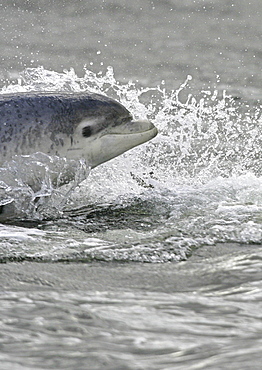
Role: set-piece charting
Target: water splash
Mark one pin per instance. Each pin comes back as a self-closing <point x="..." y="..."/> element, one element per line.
<point x="199" y="140"/>
<point x="39" y="185"/>
<point x="211" y="133"/>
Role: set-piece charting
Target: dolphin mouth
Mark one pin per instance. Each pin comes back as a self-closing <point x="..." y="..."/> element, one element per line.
<point x="144" y="128"/>
<point x="134" y="128"/>
<point x="141" y="126"/>
<point x="120" y="139"/>
<point x="128" y="135"/>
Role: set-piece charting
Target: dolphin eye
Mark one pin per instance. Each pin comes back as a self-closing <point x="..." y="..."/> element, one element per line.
<point x="87" y="131"/>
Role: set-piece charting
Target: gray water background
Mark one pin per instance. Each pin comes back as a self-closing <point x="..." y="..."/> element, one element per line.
<point x="94" y="303"/>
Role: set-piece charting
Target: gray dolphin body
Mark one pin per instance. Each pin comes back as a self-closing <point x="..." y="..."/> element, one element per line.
<point x="71" y="125"/>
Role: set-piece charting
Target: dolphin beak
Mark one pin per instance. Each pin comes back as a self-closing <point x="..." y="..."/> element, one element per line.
<point x="135" y="132"/>
<point x="120" y="139"/>
<point x="136" y="127"/>
<point x="142" y="126"/>
<point x="131" y="134"/>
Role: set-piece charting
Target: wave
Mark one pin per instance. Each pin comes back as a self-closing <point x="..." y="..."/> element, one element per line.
<point x="198" y="182"/>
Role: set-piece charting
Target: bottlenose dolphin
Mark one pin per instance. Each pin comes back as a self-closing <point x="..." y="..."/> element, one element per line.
<point x="71" y="125"/>
<point x="74" y="126"/>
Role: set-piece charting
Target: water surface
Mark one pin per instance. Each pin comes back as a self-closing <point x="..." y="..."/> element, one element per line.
<point x="154" y="261"/>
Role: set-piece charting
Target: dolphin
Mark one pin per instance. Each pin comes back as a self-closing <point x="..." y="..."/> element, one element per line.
<point x="74" y="126"/>
<point x="71" y="125"/>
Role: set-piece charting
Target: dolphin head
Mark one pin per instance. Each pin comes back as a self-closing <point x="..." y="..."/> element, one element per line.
<point x="71" y="125"/>
<point x="106" y="130"/>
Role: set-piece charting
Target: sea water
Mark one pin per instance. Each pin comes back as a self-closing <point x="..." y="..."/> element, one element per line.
<point x="154" y="260"/>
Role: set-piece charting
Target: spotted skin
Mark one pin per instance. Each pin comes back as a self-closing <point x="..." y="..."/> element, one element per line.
<point x="31" y="122"/>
